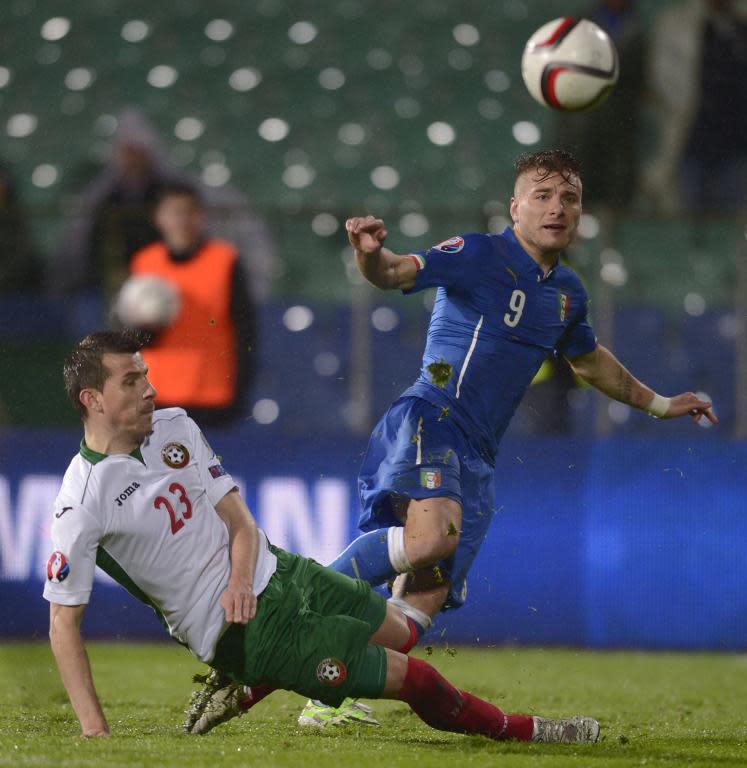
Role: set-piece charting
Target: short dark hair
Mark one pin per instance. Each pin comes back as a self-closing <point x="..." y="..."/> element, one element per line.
<point x="547" y="162"/>
<point x="179" y="189"/>
<point x="84" y="367"/>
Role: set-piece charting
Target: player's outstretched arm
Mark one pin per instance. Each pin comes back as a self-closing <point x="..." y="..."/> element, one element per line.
<point x="239" y="601"/>
<point x="380" y="266"/>
<point x="75" y="669"/>
<point x="604" y="371"/>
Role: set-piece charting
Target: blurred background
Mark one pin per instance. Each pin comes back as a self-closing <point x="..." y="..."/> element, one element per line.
<point x="613" y="529"/>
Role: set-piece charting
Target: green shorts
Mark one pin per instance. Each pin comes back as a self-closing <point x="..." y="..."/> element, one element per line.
<point x="310" y="635"/>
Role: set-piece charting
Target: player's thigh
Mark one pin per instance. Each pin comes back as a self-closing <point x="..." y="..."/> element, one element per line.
<point x="328" y="658"/>
<point x="331" y="593"/>
<point x="414" y="453"/>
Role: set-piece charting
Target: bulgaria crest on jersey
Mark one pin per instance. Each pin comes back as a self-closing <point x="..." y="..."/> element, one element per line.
<point x="57" y="568"/>
<point x="564" y="306"/>
<point x="331" y="672"/>
<point x="452" y="245"/>
<point x="175" y="455"/>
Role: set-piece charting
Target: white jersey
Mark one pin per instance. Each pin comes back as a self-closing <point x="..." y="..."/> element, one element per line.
<point x="148" y="519"/>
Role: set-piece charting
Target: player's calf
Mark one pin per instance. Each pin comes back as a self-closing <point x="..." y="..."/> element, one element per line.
<point x="442" y="706"/>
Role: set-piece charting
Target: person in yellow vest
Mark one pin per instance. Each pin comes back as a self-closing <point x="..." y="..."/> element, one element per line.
<point x="205" y="360"/>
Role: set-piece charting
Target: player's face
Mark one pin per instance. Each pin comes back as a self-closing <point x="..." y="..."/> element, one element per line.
<point x="127" y="399"/>
<point x="545" y="212"/>
<point x="181" y="221"/>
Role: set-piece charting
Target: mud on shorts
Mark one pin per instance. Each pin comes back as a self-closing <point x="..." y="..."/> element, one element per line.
<point x="310" y="635"/>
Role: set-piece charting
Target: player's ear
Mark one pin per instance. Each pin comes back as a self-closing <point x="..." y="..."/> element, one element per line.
<point x="91" y="398"/>
<point x="512" y="209"/>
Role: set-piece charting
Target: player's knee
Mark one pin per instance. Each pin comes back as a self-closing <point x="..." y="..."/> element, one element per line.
<point x="429" y="546"/>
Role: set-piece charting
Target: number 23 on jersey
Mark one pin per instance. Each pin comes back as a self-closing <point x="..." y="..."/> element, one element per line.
<point x="183" y="509"/>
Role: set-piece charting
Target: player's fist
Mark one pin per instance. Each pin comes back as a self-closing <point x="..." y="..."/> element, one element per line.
<point x="366" y="233"/>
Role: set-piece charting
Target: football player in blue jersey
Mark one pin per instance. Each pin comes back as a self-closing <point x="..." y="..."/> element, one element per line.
<point x="503" y="304"/>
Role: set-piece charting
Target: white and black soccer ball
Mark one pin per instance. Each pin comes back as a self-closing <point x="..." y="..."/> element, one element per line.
<point x="147" y="301"/>
<point x="570" y="65"/>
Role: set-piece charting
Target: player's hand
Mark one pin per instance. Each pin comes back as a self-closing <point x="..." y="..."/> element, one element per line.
<point x="239" y="604"/>
<point x="99" y="733"/>
<point x="366" y="233"/>
<point x="688" y="402"/>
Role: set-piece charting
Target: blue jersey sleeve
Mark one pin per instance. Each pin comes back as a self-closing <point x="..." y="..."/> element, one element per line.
<point x="579" y="339"/>
<point x="456" y="263"/>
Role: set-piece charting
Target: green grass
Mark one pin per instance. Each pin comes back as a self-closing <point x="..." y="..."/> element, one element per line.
<point x="655" y="709"/>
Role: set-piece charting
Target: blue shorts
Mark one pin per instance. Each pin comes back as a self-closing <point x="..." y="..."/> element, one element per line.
<point x="417" y="452"/>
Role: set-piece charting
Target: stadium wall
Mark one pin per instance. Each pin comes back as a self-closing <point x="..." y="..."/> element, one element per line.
<point x="617" y="543"/>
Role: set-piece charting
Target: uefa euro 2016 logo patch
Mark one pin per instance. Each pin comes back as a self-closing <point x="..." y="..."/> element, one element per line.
<point x="57" y="568"/>
<point x="175" y="455"/>
<point x="430" y="478"/>
<point x="331" y="672"/>
<point x="452" y="245"/>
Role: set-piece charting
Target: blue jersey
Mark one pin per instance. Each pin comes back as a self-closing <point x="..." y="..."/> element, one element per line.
<point x="497" y="317"/>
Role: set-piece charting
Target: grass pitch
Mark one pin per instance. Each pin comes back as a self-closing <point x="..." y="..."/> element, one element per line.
<point x="655" y="710"/>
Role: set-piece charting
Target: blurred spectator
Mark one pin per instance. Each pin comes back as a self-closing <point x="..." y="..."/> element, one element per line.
<point x="114" y="216"/>
<point x="698" y="68"/>
<point x="606" y="139"/>
<point x="205" y="360"/>
<point x="20" y="271"/>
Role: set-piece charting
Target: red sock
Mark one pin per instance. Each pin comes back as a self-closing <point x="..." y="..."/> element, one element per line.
<point x="437" y="702"/>
<point x="254" y="695"/>
<point x="414" y="636"/>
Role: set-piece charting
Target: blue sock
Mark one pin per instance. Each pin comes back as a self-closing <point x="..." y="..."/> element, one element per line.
<point x="367" y="558"/>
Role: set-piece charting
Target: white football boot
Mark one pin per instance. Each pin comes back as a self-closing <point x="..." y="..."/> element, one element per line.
<point x="216" y="702"/>
<point x="575" y="730"/>
<point x="318" y="715"/>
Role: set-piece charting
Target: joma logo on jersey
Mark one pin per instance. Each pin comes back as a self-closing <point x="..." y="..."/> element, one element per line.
<point x="126" y="493"/>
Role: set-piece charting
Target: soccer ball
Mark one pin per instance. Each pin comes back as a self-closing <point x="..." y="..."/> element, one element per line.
<point x="570" y="65"/>
<point x="148" y="302"/>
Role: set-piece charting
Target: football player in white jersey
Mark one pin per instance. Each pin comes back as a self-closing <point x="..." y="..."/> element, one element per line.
<point x="148" y="501"/>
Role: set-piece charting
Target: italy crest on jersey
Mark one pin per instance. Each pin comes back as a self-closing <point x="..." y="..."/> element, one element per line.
<point x="57" y="568"/>
<point x="564" y="306"/>
<point x="175" y="455"/>
<point x="452" y="245"/>
<point x="430" y="478"/>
